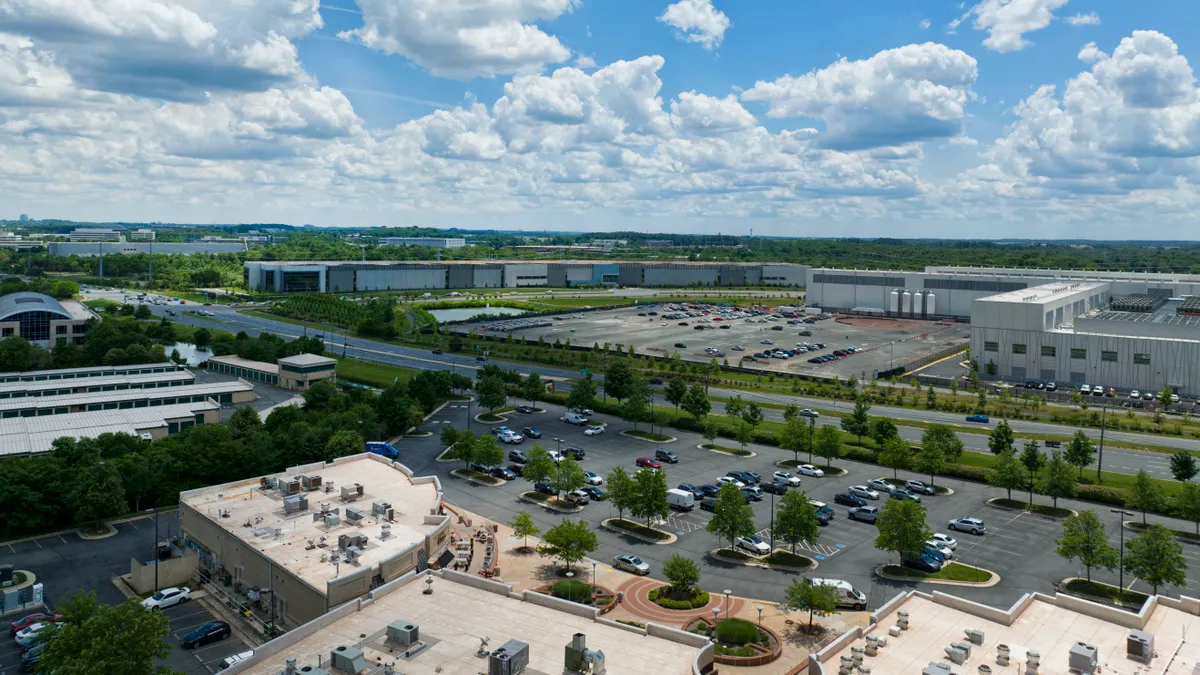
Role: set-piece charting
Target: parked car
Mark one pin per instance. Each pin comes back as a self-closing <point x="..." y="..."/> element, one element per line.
<point x="742" y="477"/>
<point x="822" y="508"/>
<point x="500" y="431"/>
<point x="680" y="345"/>
<point x="978" y="418"/>
<point x="752" y="493"/>
<point x="631" y="564"/>
<point x="578" y="497"/>
<point x="879" y="484"/>
<point x="920" y="488"/>
<point x="544" y="488"/>
<point x="1135" y="394"/>
<point x="524" y="409"/>
<point x="33" y="656"/>
<point x="594" y="493"/>
<point x="922" y="564"/>
<point x="786" y="478"/>
<point x="946" y="551"/>
<point x="574" y="452"/>
<point x="945" y="540"/>
<point x="28" y="636"/>
<point x="511" y="437"/>
<point x="753" y="544"/>
<point x="810" y="470"/>
<point x="517" y="456"/>
<point x="574" y="418"/>
<point x="932" y="552"/>
<point x="664" y="455"/>
<point x="688" y="487"/>
<point x="647" y="462"/>
<point x="502" y="473"/>
<point x="708" y="504"/>
<point x="774" y="488"/>
<point x="30" y="619"/>
<point x="586" y="412"/>
<point x="904" y="493"/>
<point x="167" y="597"/>
<point x="972" y="525"/>
<point x="710" y="490"/>
<point x="864" y="514"/>
<point x="517" y="469"/>
<point x="212" y="631"/>
<point x="655" y="380"/>
<point x="863" y="492"/>
<point x="593" y="478"/>
<point x="594" y="430"/>
<point x="730" y="479"/>
<point x="531" y="432"/>
<point x="848" y="499"/>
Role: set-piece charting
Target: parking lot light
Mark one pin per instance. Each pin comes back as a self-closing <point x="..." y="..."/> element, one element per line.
<point x="727" y="594"/>
<point x="1121" y="513"/>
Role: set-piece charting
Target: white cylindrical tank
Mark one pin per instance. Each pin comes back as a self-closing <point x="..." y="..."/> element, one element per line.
<point x="918" y="303"/>
<point x="894" y="306"/>
<point x="929" y="306"/>
<point x="906" y="303"/>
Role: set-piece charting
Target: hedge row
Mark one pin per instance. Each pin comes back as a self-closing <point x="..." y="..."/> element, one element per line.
<point x="699" y="600"/>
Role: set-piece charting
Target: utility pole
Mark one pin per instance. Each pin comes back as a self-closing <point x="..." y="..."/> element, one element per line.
<point x="152" y="264"/>
<point x="1121" y="565"/>
<point x="101" y="245"/>
<point x="772" y="521"/>
<point x="1100" y="459"/>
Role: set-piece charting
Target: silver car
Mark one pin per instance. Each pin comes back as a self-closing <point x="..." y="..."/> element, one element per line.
<point x="864" y="492"/>
<point x="631" y="564"/>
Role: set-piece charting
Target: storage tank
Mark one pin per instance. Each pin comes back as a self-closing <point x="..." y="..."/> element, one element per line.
<point x="929" y="305"/>
<point x="906" y="303"/>
<point x="894" y="303"/>
<point x="918" y="303"/>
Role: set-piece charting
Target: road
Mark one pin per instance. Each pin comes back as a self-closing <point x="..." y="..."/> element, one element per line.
<point x="1115" y="459"/>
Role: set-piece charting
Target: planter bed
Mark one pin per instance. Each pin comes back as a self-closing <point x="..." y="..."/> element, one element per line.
<point x="787" y="559"/>
<point x="1182" y="534"/>
<point x="1105" y="592"/>
<point x="830" y="471"/>
<point x="951" y="572"/>
<point x="637" y="528"/>
<point x="695" y="600"/>
<point x="1039" y="509"/>
<point x="477" y="477"/>
<point x="649" y="436"/>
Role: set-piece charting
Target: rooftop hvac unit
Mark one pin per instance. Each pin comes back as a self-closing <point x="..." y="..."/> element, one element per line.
<point x="352" y="492"/>
<point x="354" y="515"/>
<point x="348" y="659"/>
<point x="310" y="482"/>
<point x="378" y="507"/>
<point x="385" y="531"/>
<point x="511" y="658"/>
<point x="313" y="670"/>
<point x="403" y="633"/>
<point x="327" y="508"/>
<point x="1140" y="645"/>
<point x="936" y="668"/>
<point x="295" y="503"/>
<point x="289" y="486"/>
<point x="332" y="519"/>
<point x="352" y="553"/>
<point x="1082" y="658"/>
<point x="348" y="540"/>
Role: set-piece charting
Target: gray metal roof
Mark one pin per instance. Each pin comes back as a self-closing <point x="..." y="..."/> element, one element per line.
<point x="88" y="370"/>
<point x="21" y="435"/>
<point x="15" y="303"/>
<point x="137" y="381"/>
<point x="208" y="389"/>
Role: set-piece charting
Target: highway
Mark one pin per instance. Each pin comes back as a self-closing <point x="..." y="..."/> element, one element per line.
<point x="1115" y="459"/>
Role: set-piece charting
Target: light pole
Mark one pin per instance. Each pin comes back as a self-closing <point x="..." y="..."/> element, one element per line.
<point x="155" y="549"/>
<point x="1121" y="564"/>
<point x="1100" y="459"/>
<point x="760" y="611"/>
<point x="727" y="594"/>
<point x="772" y="522"/>
<point x="593" y="578"/>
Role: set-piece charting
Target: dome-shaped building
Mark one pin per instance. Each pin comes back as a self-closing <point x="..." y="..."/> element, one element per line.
<point x="41" y="319"/>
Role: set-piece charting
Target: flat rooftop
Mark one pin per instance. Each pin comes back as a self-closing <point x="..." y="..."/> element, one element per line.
<point x="77" y="310"/>
<point x="23" y="435"/>
<point x="123" y="380"/>
<point x="1044" y="626"/>
<point x="260" y="366"/>
<point x="233" y="505"/>
<point x="1047" y="292"/>
<point x="307" y="360"/>
<point x="453" y="619"/>
<point x="191" y="390"/>
<point x="89" y="371"/>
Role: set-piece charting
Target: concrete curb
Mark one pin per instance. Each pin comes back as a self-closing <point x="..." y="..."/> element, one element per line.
<point x="783" y="464"/>
<point x="110" y="531"/>
<point x="442" y="453"/>
<point x="501" y="417"/>
<point x="992" y="503"/>
<point x="727" y="454"/>
<point x="716" y="553"/>
<point x="1061" y="587"/>
<point x="941" y="582"/>
<point x="671" y="539"/>
<point x="30" y="579"/>
<point x="548" y="507"/>
<point x="462" y="473"/>
<point x="629" y="434"/>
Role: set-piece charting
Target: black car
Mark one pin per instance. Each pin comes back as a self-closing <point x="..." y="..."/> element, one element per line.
<point x="594" y="493"/>
<point x="776" y="327"/>
<point x="688" y="487"/>
<point x="683" y="323"/>
<point x="680" y="345"/>
<point x="516" y="456"/>
<point x="921" y="564"/>
<point x="724" y="325"/>
<point x="502" y="473"/>
<point x="518" y="469"/>
<point x="531" y="432"/>
<point x="574" y="453"/>
<point x="544" y="488"/>
<point x="708" y="504"/>
<point x="481" y="358"/>
<point x="743" y="476"/>
<point x="437" y="351"/>
<point x="847" y="499"/>
<point x="524" y="409"/>
<point x="209" y="632"/>
<point x="710" y="490"/>
<point x="774" y="488"/>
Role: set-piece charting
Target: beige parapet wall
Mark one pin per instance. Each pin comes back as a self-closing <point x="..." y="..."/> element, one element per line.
<point x="172" y="572"/>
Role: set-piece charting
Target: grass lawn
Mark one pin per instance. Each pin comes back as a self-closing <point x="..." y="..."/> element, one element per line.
<point x="732" y="451"/>
<point x="1099" y="590"/>
<point x="637" y="528"/>
<point x="1182" y="534"/>
<point x="951" y="571"/>
<point x="734" y="554"/>
<point x="476" y="475"/>
<point x="494" y="415"/>
<point x="787" y="558"/>
<point x="100" y="304"/>
<point x="373" y="374"/>
<point x="1040" y="509"/>
<point x="649" y="436"/>
<point x="281" y="319"/>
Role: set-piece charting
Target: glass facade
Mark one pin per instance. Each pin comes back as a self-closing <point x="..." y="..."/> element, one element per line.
<point x="34" y="325"/>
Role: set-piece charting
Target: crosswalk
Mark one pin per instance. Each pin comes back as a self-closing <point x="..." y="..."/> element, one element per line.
<point x="820" y="551"/>
<point x="680" y="525"/>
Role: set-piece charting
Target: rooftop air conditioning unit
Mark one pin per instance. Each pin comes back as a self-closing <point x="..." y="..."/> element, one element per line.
<point x="379" y="507"/>
<point x="295" y="503"/>
<point x="352" y="491"/>
<point x="385" y="531"/>
<point x="289" y="486"/>
<point x="511" y="658"/>
<point x="1082" y="658"/>
<point x="354" y="515"/>
<point x="1140" y="646"/>
<point x="348" y="659"/>
<point x="403" y="633"/>
<point x="313" y="670"/>
<point x="332" y="519"/>
<point x="312" y="482"/>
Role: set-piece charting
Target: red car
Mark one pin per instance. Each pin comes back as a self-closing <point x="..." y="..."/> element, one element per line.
<point x="646" y="461"/>
<point x="26" y="622"/>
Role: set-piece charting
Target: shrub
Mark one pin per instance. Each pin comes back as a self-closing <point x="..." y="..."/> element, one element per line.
<point x="765" y="438"/>
<point x="736" y="632"/>
<point x="1102" y="494"/>
<point x="858" y="454"/>
<point x="966" y="472"/>
<point x="698" y="600"/>
<point x="571" y="589"/>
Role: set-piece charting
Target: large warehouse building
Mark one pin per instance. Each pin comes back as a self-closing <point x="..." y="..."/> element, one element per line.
<point x="345" y="277"/>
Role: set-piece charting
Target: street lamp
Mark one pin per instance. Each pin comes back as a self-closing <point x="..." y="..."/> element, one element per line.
<point x="593" y="578"/>
<point x="760" y="611"/>
<point x="570" y="576"/>
<point x="772" y="522"/>
<point x="155" y="547"/>
<point x="727" y="594"/>
<point x="1121" y="563"/>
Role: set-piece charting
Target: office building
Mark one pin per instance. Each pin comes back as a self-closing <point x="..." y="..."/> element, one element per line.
<point x="43" y="320"/>
<point x="143" y="234"/>
<point x="95" y="234"/>
<point x="431" y="242"/>
<point x="90" y="249"/>
<point x="297" y="373"/>
<point x="318" y="535"/>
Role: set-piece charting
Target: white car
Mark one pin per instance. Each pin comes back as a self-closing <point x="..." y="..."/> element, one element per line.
<point x="1135" y="394"/>
<point x="754" y="545"/>
<point x="593" y="478"/>
<point x="1085" y="389"/>
<point x="593" y="431"/>
<point x="167" y="597"/>
<point x="942" y="548"/>
<point x="730" y="479"/>
<point x="946" y="540"/>
<point x="972" y="525"/>
<point x="632" y="564"/>
<point x="810" y="470"/>
<point x="786" y="478"/>
<point x="512" y="438"/>
<point x="28" y="636"/>
<point x="880" y="484"/>
<point x="809" y="412"/>
<point x="864" y="492"/>
<point x="767" y="342"/>
<point x="1174" y="398"/>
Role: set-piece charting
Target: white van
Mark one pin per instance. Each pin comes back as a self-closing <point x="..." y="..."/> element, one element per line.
<point x="681" y="499"/>
<point x="574" y="418"/>
<point x="848" y="596"/>
<point x="231" y="661"/>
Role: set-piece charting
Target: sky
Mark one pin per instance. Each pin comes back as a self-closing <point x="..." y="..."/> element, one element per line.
<point x="1054" y="119"/>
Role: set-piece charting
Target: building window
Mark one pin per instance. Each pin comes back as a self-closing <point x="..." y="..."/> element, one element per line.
<point x="1018" y="349"/>
<point x="1141" y="359"/>
<point x="1077" y="353"/>
<point x="1111" y="357"/>
<point x="8" y="331"/>
<point x="855" y="280"/>
<point x="60" y="329"/>
<point x="991" y="346"/>
<point x="1049" y="350"/>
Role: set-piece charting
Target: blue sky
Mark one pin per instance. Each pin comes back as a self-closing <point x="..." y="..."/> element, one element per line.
<point x="1054" y="118"/>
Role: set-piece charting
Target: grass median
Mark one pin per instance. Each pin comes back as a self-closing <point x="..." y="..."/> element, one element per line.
<point x="951" y="571"/>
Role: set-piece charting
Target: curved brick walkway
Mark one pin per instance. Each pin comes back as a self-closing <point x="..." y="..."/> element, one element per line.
<point x="637" y="601"/>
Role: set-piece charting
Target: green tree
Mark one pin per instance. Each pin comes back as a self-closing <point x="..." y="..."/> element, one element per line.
<point x="1084" y="538"/>
<point x="523" y="526"/>
<point x="344" y="443"/>
<point x="202" y="338"/>
<point x="1156" y="557"/>
<point x="1183" y="466"/>
<point x="491" y="392"/>
<point x="732" y="516"/>
<point x="931" y="460"/>
<point x="1186" y="504"/>
<point x="120" y="638"/>
<point x="858" y="422"/>
<point x="568" y="542"/>
<point x="1080" y="452"/>
<point x="711" y="430"/>
<point x="636" y="407"/>
<point x="622" y="493"/>
<point x="902" y="528"/>
<point x="1059" y="481"/>
<point x="683" y="573"/>
<point x="1007" y="472"/>
<point x="981" y="401"/>
<point x="696" y="403"/>
<point x="1001" y="438"/>
<point x="533" y="388"/>
<point x="1144" y="495"/>
<point x="142" y="313"/>
<point x="896" y="454"/>
<point x="943" y="438"/>
<point x="650" y="495"/>
<point x="735" y="406"/>
<point x="618" y="379"/>
<point x="97" y="494"/>
<point x="1164" y="396"/>
<point x="803" y="595"/>
<point x="539" y="466"/>
<point x="567" y="476"/>
<point x="796" y="520"/>
<point x="790" y="412"/>
<point x="449" y="436"/>
<point x="930" y="398"/>
<point x="488" y="452"/>
<point x="582" y="394"/>
<point x="675" y="392"/>
<point x="244" y="421"/>
<point x="827" y="443"/>
<point x="795" y="436"/>
<point x="1034" y="461"/>
<point x="882" y="428"/>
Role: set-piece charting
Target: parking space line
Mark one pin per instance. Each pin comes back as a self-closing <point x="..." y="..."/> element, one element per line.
<point x="132" y="525"/>
<point x="39" y="545"/>
<point x="61" y="539"/>
<point x="14" y="551"/>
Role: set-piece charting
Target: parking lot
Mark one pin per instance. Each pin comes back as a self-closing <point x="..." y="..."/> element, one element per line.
<point x="65" y="563"/>
<point x="884" y="343"/>
<point x="1018" y="546"/>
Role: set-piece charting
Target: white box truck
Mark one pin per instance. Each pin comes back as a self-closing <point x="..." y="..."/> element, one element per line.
<point x="847" y="595"/>
<point x="681" y="499"/>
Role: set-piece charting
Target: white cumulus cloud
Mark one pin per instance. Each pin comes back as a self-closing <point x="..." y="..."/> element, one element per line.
<point x="1089" y="19"/>
<point x="697" y="21"/>
<point x="1007" y="21"/>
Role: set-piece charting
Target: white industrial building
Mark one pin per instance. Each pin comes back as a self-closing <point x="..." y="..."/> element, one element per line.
<point x="1083" y="332"/>
<point x="95" y="234"/>
<point x="87" y="249"/>
<point x="431" y="242"/>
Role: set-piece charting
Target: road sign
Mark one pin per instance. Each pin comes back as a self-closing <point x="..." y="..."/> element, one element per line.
<point x="584" y="372"/>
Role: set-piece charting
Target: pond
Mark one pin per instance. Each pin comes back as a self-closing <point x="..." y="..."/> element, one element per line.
<point x="190" y="352"/>
<point x="464" y="313"/>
